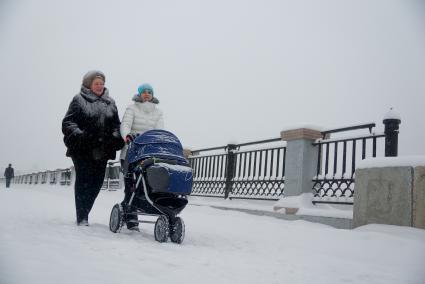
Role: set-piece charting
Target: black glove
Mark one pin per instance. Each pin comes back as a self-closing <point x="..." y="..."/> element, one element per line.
<point x="118" y="142"/>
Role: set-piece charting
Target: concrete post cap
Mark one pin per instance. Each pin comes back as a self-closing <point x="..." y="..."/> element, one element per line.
<point x="300" y="133"/>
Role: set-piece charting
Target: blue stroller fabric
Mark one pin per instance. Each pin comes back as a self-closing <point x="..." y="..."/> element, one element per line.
<point x="175" y="179"/>
<point x="156" y="144"/>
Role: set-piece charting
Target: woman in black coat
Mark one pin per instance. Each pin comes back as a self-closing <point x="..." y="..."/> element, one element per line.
<point x="92" y="135"/>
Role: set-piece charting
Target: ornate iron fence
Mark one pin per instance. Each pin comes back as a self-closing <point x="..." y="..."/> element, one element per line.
<point x="65" y="177"/>
<point x="112" y="176"/>
<point x="337" y="158"/>
<point x="241" y="174"/>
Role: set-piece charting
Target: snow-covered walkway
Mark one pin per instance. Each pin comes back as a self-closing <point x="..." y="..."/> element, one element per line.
<point x="39" y="243"/>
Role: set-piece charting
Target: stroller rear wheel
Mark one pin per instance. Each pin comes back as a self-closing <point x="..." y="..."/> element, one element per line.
<point x="177" y="231"/>
<point x="115" y="221"/>
<point x="161" y="230"/>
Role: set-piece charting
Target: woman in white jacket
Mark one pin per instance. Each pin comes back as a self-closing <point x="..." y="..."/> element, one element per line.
<point x="139" y="117"/>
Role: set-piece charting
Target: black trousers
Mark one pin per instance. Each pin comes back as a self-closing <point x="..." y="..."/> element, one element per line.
<point x="8" y="182"/>
<point x="88" y="182"/>
<point x="131" y="218"/>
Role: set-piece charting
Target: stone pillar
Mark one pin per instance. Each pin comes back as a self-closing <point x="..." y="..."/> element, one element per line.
<point x="301" y="160"/>
<point x="187" y="152"/>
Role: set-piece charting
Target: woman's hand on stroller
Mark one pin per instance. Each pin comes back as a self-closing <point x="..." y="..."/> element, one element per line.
<point x="130" y="138"/>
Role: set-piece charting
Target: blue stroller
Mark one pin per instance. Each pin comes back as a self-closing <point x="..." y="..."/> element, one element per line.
<point x="160" y="180"/>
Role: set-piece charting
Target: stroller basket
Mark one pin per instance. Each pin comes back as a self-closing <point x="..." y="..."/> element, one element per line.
<point x="166" y="178"/>
<point x="173" y="203"/>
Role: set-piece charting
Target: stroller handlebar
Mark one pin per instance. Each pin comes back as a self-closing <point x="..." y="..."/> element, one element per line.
<point x="146" y="163"/>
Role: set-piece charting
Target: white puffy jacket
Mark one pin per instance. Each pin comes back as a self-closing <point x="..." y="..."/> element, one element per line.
<point x="140" y="117"/>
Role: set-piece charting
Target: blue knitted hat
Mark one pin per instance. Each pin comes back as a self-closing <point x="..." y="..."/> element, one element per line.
<point x="144" y="87"/>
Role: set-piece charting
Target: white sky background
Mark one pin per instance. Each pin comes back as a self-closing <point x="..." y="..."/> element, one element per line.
<point x="223" y="70"/>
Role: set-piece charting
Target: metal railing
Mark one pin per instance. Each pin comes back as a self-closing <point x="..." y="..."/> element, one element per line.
<point x="112" y="176"/>
<point x="256" y="170"/>
<point x="64" y="177"/>
<point x="240" y="174"/>
<point x="337" y="159"/>
<point x="61" y="176"/>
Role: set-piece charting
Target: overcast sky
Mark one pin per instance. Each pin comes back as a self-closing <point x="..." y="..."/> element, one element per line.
<point x="223" y="70"/>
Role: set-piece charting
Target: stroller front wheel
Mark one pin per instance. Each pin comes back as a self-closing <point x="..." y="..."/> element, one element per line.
<point x="177" y="231"/>
<point x="115" y="221"/>
<point x="161" y="230"/>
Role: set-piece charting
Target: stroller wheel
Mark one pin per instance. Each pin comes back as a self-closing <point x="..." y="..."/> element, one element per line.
<point x="115" y="221"/>
<point x="161" y="229"/>
<point x="177" y="231"/>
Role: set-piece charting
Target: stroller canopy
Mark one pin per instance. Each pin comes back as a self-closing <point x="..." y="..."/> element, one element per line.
<point x="156" y="144"/>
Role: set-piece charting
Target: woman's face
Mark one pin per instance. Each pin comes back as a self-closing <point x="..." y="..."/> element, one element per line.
<point x="147" y="95"/>
<point x="97" y="86"/>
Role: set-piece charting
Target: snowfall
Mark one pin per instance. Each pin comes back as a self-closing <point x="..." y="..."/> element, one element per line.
<point x="40" y="243"/>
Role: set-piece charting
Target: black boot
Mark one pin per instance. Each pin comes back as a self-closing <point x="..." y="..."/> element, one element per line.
<point x="130" y="217"/>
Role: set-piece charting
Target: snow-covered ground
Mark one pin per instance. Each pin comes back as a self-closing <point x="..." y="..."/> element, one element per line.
<point x="39" y="243"/>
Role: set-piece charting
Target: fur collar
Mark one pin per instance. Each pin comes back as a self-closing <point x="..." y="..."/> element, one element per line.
<point x="89" y="96"/>
<point x="139" y="99"/>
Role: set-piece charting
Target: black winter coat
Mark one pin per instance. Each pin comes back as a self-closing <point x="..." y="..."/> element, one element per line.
<point x="8" y="173"/>
<point x="92" y="127"/>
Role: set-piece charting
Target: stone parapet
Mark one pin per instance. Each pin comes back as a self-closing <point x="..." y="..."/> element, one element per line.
<point x="419" y="197"/>
<point x="393" y="195"/>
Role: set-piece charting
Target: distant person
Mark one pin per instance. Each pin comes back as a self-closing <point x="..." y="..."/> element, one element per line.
<point x="9" y="175"/>
<point x="141" y="116"/>
<point x="92" y="135"/>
